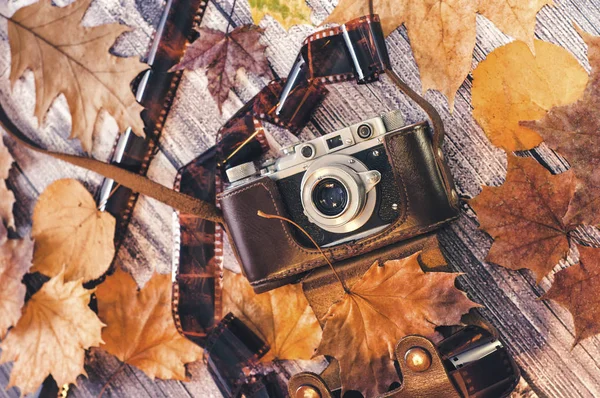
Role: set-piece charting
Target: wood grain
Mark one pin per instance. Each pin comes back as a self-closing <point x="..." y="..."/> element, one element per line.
<point x="539" y="333"/>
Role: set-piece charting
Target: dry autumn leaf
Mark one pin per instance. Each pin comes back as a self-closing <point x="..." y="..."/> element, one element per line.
<point x="431" y="257"/>
<point x="15" y="261"/>
<point x="281" y="317"/>
<point x="140" y="330"/>
<point x="287" y="13"/>
<point x="442" y="32"/>
<point x="51" y="337"/>
<point x="513" y="85"/>
<point x="223" y="54"/>
<point x="525" y="216"/>
<point x="71" y="233"/>
<point x="387" y="303"/>
<point x="68" y="58"/>
<point x="576" y="288"/>
<point x="574" y="131"/>
<point x="7" y="198"/>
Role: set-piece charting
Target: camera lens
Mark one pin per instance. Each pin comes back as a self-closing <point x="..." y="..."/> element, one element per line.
<point x="330" y="197"/>
<point x="364" y="131"/>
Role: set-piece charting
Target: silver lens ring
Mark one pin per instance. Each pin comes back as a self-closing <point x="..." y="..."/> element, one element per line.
<point x="359" y="205"/>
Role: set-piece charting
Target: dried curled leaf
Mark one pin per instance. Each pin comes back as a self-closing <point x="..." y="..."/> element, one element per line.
<point x="51" y="337"/>
<point x="525" y="216"/>
<point x="513" y="85"/>
<point x="15" y="261"/>
<point x="68" y="58"/>
<point x="71" y="233"/>
<point x="386" y="304"/>
<point x="574" y="131"/>
<point x="281" y="317"/>
<point x="223" y="54"/>
<point x="287" y="13"/>
<point x="140" y="330"/>
<point x="442" y="32"/>
<point x="7" y="198"/>
<point x="576" y="288"/>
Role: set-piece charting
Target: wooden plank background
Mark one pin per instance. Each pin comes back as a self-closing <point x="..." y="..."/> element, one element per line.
<point x="539" y="333"/>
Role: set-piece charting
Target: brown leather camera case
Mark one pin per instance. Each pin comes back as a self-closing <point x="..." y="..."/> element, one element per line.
<point x="271" y="256"/>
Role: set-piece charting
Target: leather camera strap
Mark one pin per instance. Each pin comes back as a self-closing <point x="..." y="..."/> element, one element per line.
<point x="136" y="182"/>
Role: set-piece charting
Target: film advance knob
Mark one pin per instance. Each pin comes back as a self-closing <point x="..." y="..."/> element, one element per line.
<point x="241" y="171"/>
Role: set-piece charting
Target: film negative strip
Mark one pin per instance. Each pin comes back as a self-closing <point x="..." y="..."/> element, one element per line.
<point x="155" y="90"/>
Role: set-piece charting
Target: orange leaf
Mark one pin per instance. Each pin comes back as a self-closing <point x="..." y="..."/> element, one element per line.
<point x="15" y="261"/>
<point x="574" y="131"/>
<point x="51" y="337"/>
<point x="387" y="303"/>
<point x="68" y="58"/>
<point x="281" y="317"/>
<point x="442" y="32"/>
<point x="513" y="85"/>
<point x="140" y="330"/>
<point x="525" y="216"/>
<point x="71" y="234"/>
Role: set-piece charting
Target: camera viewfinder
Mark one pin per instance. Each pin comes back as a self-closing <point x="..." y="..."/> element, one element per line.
<point x="335" y="142"/>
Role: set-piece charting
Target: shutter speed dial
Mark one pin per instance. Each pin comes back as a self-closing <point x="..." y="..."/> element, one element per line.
<point x="241" y="171"/>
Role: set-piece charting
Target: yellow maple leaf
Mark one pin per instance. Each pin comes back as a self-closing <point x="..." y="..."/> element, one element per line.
<point x="513" y="85"/>
<point x="15" y="261"/>
<point x="51" y="337"/>
<point x="70" y="232"/>
<point x="442" y="32"/>
<point x="140" y="330"/>
<point x="281" y="317"/>
<point x="287" y="13"/>
<point x="68" y="58"/>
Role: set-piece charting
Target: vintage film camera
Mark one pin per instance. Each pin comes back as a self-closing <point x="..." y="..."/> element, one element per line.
<point x="355" y="190"/>
<point x="339" y="187"/>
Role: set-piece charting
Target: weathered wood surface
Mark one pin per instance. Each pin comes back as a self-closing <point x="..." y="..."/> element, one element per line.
<point x="539" y="333"/>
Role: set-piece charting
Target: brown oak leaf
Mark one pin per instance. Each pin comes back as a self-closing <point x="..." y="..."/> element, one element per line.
<point x="68" y="58"/>
<point x="442" y="32"/>
<point x="574" y="131"/>
<point x="7" y="198"/>
<point x="51" y="337"/>
<point x="281" y="317"/>
<point x="223" y="54"/>
<point x="140" y="330"/>
<point x="512" y="84"/>
<point x="525" y="216"/>
<point x="15" y="261"/>
<point x="576" y="288"/>
<point x="387" y="303"/>
<point x="71" y="233"/>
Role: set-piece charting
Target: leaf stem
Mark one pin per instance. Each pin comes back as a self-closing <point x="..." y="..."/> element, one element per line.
<point x="273" y="216"/>
<point x="230" y="16"/>
<point x="110" y="378"/>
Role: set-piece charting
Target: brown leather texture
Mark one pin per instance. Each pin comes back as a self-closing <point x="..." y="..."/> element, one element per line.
<point x="430" y="383"/>
<point x="267" y="250"/>
<point x="322" y="288"/>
